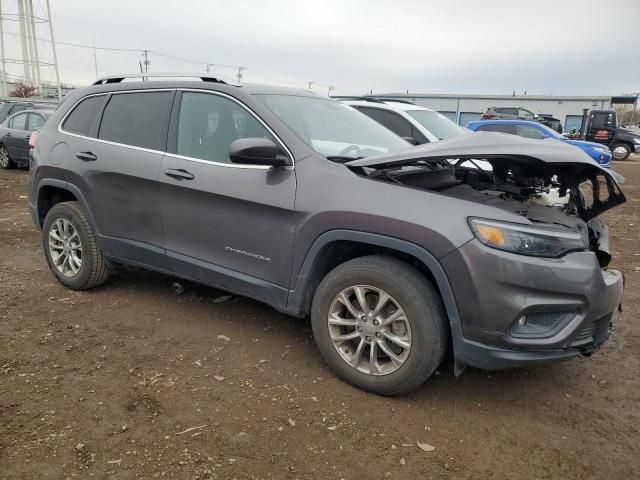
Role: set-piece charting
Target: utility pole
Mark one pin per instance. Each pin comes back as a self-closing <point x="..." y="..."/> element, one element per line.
<point x="331" y="89"/>
<point x="3" y="75"/>
<point x="311" y="83"/>
<point x="240" y="69"/>
<point x="147" y="62"/>
<point x="53" y="46"/>
<point x="95" y="57"/>
<point x="209" y="66"/>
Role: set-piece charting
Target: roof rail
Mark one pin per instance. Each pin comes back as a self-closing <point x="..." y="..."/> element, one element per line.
<point x="397" y="100"/>
<point x="117" y="78"/>
<point x="356" y="97"/>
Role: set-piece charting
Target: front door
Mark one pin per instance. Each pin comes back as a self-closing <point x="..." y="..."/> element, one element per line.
<point x="601" y="127"/>
<point x="226" y="225"/>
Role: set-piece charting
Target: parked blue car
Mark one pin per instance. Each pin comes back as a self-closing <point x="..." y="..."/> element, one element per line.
<point x="523" y="128"/>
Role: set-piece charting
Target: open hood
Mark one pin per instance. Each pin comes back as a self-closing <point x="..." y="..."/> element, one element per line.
<point x="484" y="146"/>
<point x="520" y="167"/>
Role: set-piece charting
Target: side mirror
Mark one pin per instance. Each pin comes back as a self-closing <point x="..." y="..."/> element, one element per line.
<point x="257" y="151"/>
<point x="411" y="140"/>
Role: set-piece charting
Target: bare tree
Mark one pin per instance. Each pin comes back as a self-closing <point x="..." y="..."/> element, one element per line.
<point x="22" y="90"/>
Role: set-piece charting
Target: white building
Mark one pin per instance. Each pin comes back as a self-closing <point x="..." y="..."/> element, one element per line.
<point x="466" y="108"/>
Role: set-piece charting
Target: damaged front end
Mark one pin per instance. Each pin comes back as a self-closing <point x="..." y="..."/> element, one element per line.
<point x="551" y="184"/>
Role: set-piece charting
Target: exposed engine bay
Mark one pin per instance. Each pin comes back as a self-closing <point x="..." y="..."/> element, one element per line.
<point x="571" y="195"/>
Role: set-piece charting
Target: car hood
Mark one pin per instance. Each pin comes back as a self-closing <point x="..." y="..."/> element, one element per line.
<point x="523" y="159"/>
<point x="629" y="132"/>
<point x="582" y="143"/>
<point x="488" y="146"/>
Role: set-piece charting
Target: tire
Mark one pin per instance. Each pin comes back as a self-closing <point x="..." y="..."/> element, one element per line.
<point x="623" y="151"/>
<point x="424" y="325"/>
<point x="93" y="269"/>
<point x="5" y="160"/>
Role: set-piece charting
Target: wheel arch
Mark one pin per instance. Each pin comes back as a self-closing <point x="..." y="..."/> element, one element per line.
<point x="52" y="191"/>
<point x="338" y="246"/>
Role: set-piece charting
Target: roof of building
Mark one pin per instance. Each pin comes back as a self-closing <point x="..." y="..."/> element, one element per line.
<point x="496" y="97"/>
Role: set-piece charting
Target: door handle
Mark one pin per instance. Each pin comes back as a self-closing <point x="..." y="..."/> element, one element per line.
<point x="86" y="156"/>
<point x="179" y="174"/>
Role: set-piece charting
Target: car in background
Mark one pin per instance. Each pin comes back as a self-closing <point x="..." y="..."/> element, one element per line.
<point x="9" y="107"/>
<point x="519" y="113"/>
<point x="412" y="122"/>
<point x="15" y="133"/>
<point x="523" y="128"/>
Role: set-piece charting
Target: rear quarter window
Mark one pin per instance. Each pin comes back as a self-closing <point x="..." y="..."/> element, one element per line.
<point x="137" y="119"/>
<point x="84" y="116"/>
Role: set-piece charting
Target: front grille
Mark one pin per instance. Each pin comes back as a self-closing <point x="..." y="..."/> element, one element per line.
<point x="593" y="334"/>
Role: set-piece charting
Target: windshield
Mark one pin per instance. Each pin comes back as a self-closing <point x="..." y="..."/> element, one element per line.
<point x="333" y="129"/>
<point x="437" y="124"/>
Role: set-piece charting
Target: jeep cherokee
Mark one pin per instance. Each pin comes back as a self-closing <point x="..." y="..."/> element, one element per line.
<point x="487" y="244"/>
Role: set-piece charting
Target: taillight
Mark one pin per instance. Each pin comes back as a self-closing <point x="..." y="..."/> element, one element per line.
<point x="32" y="139"/>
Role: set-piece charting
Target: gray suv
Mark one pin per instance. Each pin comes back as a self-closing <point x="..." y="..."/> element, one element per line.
<point x="489" y="245"/>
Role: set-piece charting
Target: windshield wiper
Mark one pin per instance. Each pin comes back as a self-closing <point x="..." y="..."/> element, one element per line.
<point x="342" y="158"/>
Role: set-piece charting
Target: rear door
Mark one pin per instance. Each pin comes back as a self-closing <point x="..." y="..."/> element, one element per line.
<point x="16" y="138"/>
<point x="225" y="224"/>
<point x="115" y="160"/>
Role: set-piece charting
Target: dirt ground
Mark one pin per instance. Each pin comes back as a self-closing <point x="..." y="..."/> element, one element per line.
<point x="132" y="380"/>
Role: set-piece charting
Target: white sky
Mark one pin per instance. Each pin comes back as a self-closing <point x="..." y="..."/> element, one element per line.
<point x="491" y="46"/>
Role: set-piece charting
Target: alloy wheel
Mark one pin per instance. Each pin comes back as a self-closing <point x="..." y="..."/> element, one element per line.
<point x="4" y="157"/>
<point x="369" y="329"/>
<point x="65" y="247"/>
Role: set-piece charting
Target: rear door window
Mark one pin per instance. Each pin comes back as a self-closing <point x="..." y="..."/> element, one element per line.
<point x="392" y="121"/>
<point x="137" y="119"/>
<point x="528" y="131"/>
<point x="495" y="127"/>
<point x="19" y="122"/>
<point x="525" y="113"/>
<point x="84" y="116"/>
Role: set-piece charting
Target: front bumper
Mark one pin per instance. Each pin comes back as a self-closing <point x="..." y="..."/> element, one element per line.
<point x="636" y="147"/>
<point x="571" y="298"/>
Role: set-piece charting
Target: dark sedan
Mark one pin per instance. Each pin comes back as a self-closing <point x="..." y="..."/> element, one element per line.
<point x="15" y="132"/>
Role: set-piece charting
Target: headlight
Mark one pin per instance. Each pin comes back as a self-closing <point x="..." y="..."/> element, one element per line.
<point x="536" y="241"/>
<point x="601" y="149"/>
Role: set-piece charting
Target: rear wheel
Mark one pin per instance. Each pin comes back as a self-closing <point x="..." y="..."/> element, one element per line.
<point x="621" y="151"/>
<point x="71" y="249"/>
<point x="379" y="324"/>
<point x="5" y="160"/>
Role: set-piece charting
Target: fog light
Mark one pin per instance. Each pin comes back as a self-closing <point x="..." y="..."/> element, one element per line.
<point x="540" y="324"/>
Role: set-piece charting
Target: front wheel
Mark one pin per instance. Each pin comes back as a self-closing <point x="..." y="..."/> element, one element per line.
<point x="71" y="248"/>
<point x="621" y="151"/>
<point x="5" y="160"/>
<point x="379" y="324"/>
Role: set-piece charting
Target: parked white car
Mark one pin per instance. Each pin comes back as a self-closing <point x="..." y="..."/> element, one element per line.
<point x="408" y="120"/>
